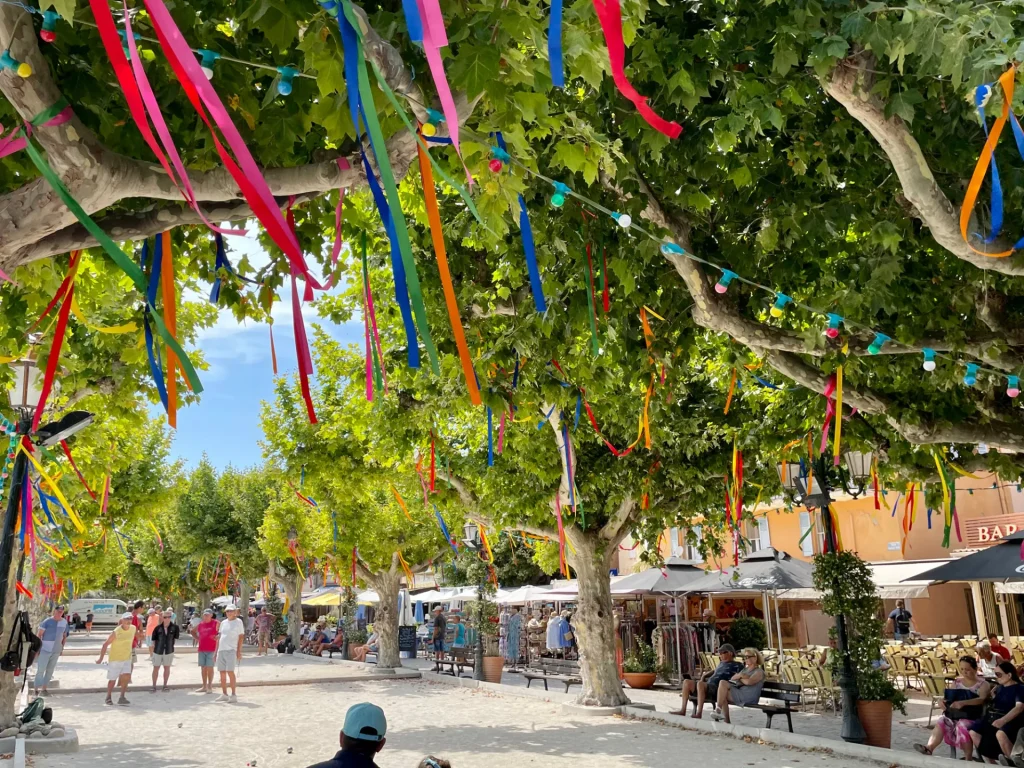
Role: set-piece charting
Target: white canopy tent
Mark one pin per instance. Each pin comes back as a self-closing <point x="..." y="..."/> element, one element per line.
<point x="523" y="595"/>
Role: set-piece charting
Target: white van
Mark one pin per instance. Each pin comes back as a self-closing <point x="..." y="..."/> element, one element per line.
<point x="106" y="611"/>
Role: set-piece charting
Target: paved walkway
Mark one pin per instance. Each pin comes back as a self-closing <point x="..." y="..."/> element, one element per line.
<point x="906" y="729"/>
<point x="296" y="726"/>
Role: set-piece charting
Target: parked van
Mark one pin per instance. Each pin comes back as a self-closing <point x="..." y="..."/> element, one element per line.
<point x="105" y="610"/>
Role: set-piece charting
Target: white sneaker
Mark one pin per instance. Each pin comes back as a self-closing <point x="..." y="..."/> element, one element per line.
<point x="233" y="699"/>
<point x="222" y="697"/>
<point x="717" y="716"/>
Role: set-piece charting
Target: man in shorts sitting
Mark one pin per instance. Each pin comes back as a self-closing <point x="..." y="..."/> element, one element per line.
<point x="708" y="684"/>
<point x="164" y="635"/>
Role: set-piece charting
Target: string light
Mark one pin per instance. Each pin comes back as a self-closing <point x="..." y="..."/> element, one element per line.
<point x="624" y="220"/>
<point x="10" y="63"/>
<point x="781" y="300"/>
<point x="834" y="321"/>
<point x="434" y="118"/>
<point x="284" y="81"/>
<point x="723" y="283"/>
<point x="877" y="344"/>
<point x="1012" y="386"/>
<point x="499" y="157"/>
<point x="206" y="60"/>
<point x="971" y="377"/>
<point x="559" y="195"/>
<point x="929" y="359"/>
<point x="49" y="31"/>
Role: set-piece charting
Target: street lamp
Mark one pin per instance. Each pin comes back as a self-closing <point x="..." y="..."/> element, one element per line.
<point x="473" y="542"/>
<point x="24" y="399"/>
<point x="795" y="479"/>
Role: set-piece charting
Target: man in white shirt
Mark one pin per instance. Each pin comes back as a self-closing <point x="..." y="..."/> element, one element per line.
<point x="229" y="651"/>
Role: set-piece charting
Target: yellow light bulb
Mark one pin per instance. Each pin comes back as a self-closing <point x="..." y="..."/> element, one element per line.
<point x="775" y="312"/>
<point x="429" y="129"/>
<point x="24" y="70"/>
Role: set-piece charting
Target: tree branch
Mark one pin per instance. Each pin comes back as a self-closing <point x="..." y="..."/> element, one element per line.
<point x="850" y="83"/>
<point x="555" y="421"/>
<point x="615" y="529"/>
<point x="468" y="498"/>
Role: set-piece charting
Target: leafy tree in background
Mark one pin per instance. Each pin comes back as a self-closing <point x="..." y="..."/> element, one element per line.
<point x="514" y="564"/>
<point x="276" y="609"/>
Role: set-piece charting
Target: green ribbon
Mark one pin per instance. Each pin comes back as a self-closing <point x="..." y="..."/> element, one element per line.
<point x="378" y="377"/>
<point x="48" y="114"/>
<point x="591" y="308"/>
<point x="126" y="264"/>
<point x="387" y="177"/>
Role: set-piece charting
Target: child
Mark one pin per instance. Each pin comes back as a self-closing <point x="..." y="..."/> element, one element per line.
<point x="433" y="762"/>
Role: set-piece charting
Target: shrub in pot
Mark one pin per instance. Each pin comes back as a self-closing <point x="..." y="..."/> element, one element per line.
<point x="486" y="622"/>
<point x="847" y="588"/>
<point x="748" y="632"/>
<point x="640" y="667"/>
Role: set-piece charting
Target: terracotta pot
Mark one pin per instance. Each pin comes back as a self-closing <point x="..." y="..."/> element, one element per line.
<point x="876" y="717"/>
<point x="492" y="668"/>
<point x="640" y="679"/>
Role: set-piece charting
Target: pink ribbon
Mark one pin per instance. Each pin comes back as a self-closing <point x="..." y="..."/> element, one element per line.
<point x="369" y="350"/>
<point x="376" y="336"/>
<point x="14" y="143"/>
<point x="157" y="118"/>
<point x="343" y="165"/>
<point x="830" y="411"/>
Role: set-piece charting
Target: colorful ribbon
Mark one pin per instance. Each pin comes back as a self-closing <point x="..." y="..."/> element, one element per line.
<point x="435" y="37"/>
<point x="75" y="519"/>
<point x="529" y="249"/>
<point x="58" y="340"/>
<point x="555" y="45"/>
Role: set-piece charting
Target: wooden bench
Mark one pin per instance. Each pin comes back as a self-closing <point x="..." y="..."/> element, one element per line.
<point x="562" y="670"/>
<point x="776" y="699"/>
<point x="458" y="661"/>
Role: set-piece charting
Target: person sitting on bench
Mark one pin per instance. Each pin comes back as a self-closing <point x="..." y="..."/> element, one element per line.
<point x="727" y="667"/>
<point x="744" y="688"/>
<point x="335" y="644"/>
<point x="359" y="652"/>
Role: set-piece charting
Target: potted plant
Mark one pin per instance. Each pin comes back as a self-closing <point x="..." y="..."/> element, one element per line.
<point x="748" y="632"/>
<point x="847" y="588"/>
<point x="485" y="621"/>
<point x="640" y="667"/>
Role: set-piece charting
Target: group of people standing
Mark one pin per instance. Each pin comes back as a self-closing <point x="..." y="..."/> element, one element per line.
<point x="219" y="647"/>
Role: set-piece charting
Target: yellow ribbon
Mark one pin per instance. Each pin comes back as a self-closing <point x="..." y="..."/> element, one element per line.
<point x="76" y="310"/>
<point x="732" y="389"/>
<point x="75" y="519"/>
<point x="401" y="502"/>
<point x="406" y="568"/>
<point x="487" y="544"/>
<point x="959" y="470"/>
<point x="945" y="490"/>
<point x="839" y="413"/>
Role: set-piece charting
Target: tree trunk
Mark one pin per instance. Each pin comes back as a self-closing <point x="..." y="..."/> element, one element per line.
<point x="292" y="583"/>
<point x="594" y="621"/>
<point x="385" y="620"/>
<point x="9" y="689"/>
<point x="204" y="600"/>
<point x="178" y="607"/>
<point x="244" y="591"/>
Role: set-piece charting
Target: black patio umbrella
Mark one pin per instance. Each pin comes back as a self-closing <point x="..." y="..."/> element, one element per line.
<point x="673" y="579"/>
<point x="1000" y="562"/>
<point x="766" y="570"/>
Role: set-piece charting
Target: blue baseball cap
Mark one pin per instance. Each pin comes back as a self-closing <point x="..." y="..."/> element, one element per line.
<point x="365" y="721"/>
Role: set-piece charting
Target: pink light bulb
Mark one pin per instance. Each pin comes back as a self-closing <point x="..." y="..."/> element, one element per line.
<point x="832" y="333"/>
<point x="721" y="288"/>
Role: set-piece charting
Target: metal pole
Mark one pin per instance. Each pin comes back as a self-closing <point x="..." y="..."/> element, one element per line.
<point x="478" y="657"/>
<point x="852" y="731"/>
<point x="11" y="515"/>
<point x="767" y="612"/>
<point x="778" y="625"/>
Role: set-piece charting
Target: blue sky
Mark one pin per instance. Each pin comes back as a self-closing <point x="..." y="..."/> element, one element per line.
<point x="225" y="423"/>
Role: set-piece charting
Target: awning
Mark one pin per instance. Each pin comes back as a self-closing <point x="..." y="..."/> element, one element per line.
<point x="323" y="599"/>
<point x="896" y="579"/>
<point x="523" y="595"/>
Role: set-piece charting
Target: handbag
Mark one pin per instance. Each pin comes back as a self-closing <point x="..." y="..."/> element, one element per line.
<point x="20" y="635"/>
<point x="951" y="695"/>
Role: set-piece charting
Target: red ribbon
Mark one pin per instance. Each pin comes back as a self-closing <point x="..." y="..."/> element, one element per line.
<point x="58" y="340"/>
<point x="610" y="15"/>
<point x="433" y="468"/>
<point x="593" y="422"/>
<point x="67" y="452"/>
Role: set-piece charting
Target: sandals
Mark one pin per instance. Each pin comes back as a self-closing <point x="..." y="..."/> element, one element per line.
<point x="922" y="749"/>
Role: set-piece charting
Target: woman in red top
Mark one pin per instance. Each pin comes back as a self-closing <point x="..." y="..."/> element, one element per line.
<point x="205" y="635"/>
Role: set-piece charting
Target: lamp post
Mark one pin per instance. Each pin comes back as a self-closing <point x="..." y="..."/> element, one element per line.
<point x="794" y="482"/>
<point x="24" y="398"/>
<point x="471" y="533"/>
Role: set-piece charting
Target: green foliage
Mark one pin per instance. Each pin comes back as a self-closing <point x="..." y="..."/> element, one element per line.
<point x="276" y="608"/>
<point x="514" y="565"/>
<point x="748" y="632"/>
<point x="641" y="659"/>
<point x="848" y="589"/>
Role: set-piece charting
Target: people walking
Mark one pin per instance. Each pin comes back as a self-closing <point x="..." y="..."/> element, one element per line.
<point x="88" y="622"/>
<point x="204" y="634"/>
<point x="119" y="665"/>
<point x="53" y="631"/>
<point x="440" y="628"/>
<point x="164" y="635"/>
<point x="264" y="627"/>
<point x="230" y="635"/>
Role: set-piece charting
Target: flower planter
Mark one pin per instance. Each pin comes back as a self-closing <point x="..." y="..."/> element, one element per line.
<point x="492" y="668"/>
<point x="876" y="717"/>
<point x="640" y="679"/>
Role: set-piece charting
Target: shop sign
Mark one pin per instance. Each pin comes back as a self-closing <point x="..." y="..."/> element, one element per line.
<point x="985" y="531"/>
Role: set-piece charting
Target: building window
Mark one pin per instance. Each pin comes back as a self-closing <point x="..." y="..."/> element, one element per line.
<point x="764" y="538"/>
<point x="806" y="539"/>
<point x="691" y="550"/>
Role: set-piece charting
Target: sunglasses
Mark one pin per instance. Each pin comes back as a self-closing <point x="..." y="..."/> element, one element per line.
<point x="749" y="656"/>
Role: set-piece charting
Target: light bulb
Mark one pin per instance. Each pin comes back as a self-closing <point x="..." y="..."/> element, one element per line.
<point x="429" y="129"/>
<point x="558" y="199"/>
<point x="834" y="321"/>
<point x="982" y="448"/>
<point x="929" y="359"/>
<point x="781" y="300"/>
<point x="495" y="165"/>
<point x="625" y="220"/>
<point x="1012" y="386"/>
<point x="877" y="343"/>
<point x="971" y="377"/>
<point x="723" y="284"/>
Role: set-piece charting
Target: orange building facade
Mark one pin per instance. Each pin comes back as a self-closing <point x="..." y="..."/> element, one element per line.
<point x="987" y="509"/>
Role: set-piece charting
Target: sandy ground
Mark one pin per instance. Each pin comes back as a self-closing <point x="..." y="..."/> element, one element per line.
<point x="83" y="672"/>
<point x="471" y="728"/>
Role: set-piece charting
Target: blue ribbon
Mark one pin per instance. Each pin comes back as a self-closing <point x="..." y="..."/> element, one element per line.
<point x="46" y="507"/>
<point x="579" y="405"/>
<point x="490" y="437"/>
<point x="515" y="373"/>
<point x="334" y="522"/>
<point x="529" y="248"/>
<point x="542" y="422"/>
<point x="568" y="464"/>
<point x="444" y="530"/>
<point x="980" y="95"/>
<point x="555" y="45"/>
<point x="929" y="518"/>
<point x="397" y="267"/>
<point x="412" y="20"/>
<point x="152" y="351"/>
<point x="220" y="263"/>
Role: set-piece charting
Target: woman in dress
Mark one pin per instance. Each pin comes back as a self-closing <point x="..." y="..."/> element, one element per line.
<point x="512" y="629"/>
<point x="996" y="732"/>
<point x="957" y="732"/>
<point x="744" y="688"/>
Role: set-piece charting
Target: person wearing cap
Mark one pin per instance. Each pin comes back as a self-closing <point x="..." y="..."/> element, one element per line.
<point x="708" y="684"/>
<point x="119" y="666"/>
<point x="230" y="635"/>
<point x="362" y="737"/>
<point x="153" y="617"/>
<point x="53" y="631"/>
<point x="204" y="635"/>
<point x="440" y="628"/>
<point x="162" y="647"/>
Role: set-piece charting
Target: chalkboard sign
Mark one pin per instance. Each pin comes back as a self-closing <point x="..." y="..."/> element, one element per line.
<point x="407" y="640"/>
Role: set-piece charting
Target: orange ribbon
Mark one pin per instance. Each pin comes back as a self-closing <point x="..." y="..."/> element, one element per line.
<point x="167" y="287"/>
<point x="437" y="235"/>
<point x="981" y="169"/>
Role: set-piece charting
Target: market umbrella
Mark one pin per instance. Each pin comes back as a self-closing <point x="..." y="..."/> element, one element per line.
<point x="670" y="580"/>
<point x="523" y="595"/>
<point x="1000" y="562"/>
<point x="766" y="570"/>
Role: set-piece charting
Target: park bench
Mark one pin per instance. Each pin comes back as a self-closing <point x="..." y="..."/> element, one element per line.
<point x="562" y="670"/>
<point x="458" y="661"/>
<point x="776" y="699"/>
